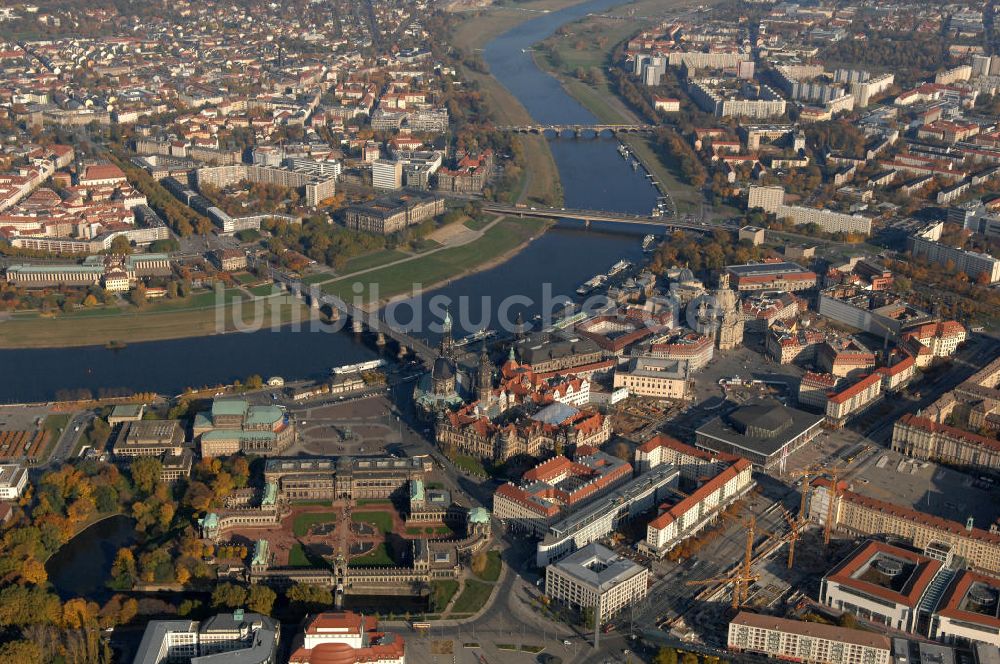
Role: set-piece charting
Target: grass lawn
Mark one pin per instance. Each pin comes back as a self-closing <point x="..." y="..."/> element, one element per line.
<point x="377" y="557"/>
<point x="441" y="593"/>
<point x="381" y="520"/>
<point x="425" y="244"/>
<point x="163" y="321"/>
<point x="374" y="259"/>
<point x="493" y="566"/>
<point x="304" y="503"/>
<point x="297" y="556"/>
<point x="263" y="290"/>
<point x="302" y="522"/>
<point x="473" y="596"/>
<point x="542" y="175"/>
<point x="244" y="278"/>
<point x="478" y="224"/>
<point x="506" y="236"/>
<point x="54" y="425"/>
<point x="469" y="464"/>
<point x="372" y="501"/>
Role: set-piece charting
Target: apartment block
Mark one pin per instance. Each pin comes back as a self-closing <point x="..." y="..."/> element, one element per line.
<point x="923" y="438"/>
<point x="815" y="643"/>
<point x="975" y="264"/>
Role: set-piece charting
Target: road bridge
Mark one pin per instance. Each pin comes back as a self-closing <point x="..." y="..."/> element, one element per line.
<point x="579" y="129"/>
<point x="663" y="223"/>
<point x="360" y="319"/>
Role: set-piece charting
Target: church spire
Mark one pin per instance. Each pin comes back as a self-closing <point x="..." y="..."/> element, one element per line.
<point x="447" y="341"/>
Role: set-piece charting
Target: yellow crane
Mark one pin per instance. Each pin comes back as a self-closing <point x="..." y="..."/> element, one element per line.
<point x="743" y="576"/>
<point x="793" y="535"/>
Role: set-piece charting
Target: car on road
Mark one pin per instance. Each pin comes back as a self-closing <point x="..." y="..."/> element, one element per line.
<point x="567" y="642"/>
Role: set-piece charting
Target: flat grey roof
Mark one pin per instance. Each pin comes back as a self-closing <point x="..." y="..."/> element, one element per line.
<point x="765" y="268"/>
<point x="598" y="567"/>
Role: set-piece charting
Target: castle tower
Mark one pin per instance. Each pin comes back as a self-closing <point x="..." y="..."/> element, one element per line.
<point x="447" y="341"/>
<point x="484" y="383"/>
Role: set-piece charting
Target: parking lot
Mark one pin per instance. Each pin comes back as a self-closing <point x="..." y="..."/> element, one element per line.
<point x="926" y="486"/>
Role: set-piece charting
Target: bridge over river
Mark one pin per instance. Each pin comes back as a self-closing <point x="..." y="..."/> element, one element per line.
<point x="360" y="319"/>
<point x="578" y="129"/>
<point x="662" y="223"/>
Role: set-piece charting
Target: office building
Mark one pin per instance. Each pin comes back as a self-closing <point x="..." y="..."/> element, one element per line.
<point x="387" y="174"/>
<point x="654" y="377"/>
<point x="601" y="516"/>
<point x="853" y="400"/>
<point x="391" y="214"/>
<point x="13" y="480"/>
<point x="770" y="275"/>
<point x="884" y="584"/>
<point x="226" y="638"/>
<point x="316" y="188"/>
<point x="597" y="578"/>
<point x="969" y="613"/>
<point x="556" y="486"/>
<point x="923" y="438"/>
<point x="700" y="508"/>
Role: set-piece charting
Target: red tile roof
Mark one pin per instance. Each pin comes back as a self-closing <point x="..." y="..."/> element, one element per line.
<point x="857" y="388"/>
<point x="699" y="494"/>
<point x="909" y="514"/>
<point x="816" y="630"/>
<point x="915" y="586"/>
<point x="952" y="601"/>
<point x="953" y="432"/>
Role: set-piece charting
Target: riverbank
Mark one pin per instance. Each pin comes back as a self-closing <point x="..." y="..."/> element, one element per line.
<point x="199" y="316"/>
<point x="585" y="46"/>
<point x="497" y="244"/>
<point x="389" y="274"/>
<point x="540" y="181"/>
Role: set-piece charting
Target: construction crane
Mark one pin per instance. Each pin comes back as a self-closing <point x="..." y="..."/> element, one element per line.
<point x="806" y="475"/>
<point x="796" y="526"/>
<point x="835" y="474"/>
<point x="743" y="576"/>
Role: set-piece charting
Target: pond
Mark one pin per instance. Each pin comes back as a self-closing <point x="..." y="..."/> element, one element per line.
<point x="82" y="566"/>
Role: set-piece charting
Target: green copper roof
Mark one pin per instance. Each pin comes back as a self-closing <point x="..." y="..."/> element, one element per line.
<point x="479" y="515"/>
<point x="260" y="550"/>
<point x="228" y="407"/>
<point x="270" y="494"/>
<point x="258" y="415"/>
<point x="416" y="489"/>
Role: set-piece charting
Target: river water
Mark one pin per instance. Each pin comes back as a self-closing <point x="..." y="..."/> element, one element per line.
<point x="593" y="176"/>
